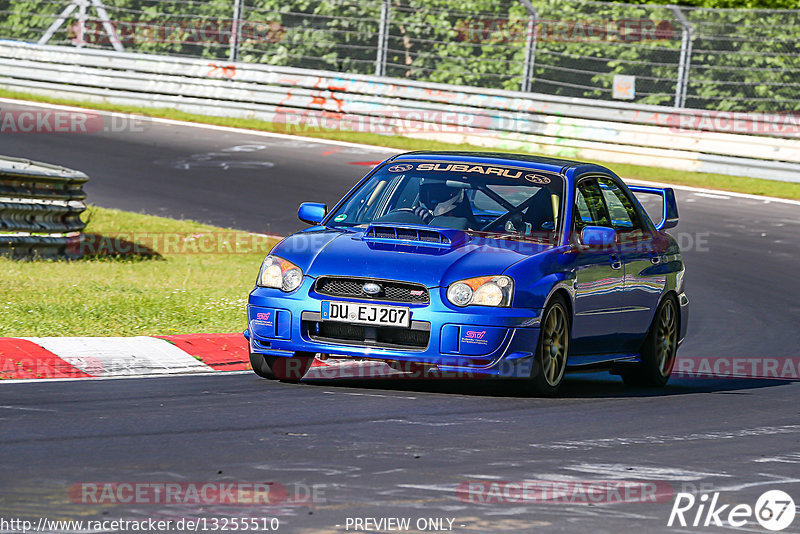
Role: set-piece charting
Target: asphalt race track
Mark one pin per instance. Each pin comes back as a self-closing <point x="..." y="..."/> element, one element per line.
<point x="374" y="448"/>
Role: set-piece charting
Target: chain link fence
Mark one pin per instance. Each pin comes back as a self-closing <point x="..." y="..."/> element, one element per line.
<point x="718" y="59"/>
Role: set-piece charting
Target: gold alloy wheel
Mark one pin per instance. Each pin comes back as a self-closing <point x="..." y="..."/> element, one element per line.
<point x="555" y="344"/>
<point x="666" y="337"/>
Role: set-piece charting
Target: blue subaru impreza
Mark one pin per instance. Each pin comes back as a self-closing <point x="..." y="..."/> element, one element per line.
<point x="477" y="264"/>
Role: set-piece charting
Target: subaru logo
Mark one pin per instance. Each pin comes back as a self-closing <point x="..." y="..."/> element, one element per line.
<point x="371" y="288"/>
<point x="537" y="179"/>
<point x="403" y="167"/>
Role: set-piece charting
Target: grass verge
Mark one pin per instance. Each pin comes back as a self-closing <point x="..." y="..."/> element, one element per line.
<point x="754" y="186"/>
<point x="180" y="277"/>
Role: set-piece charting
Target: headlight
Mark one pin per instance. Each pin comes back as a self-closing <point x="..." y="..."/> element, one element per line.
<point x="279" y="273"/>
<point x="482" y="291"/>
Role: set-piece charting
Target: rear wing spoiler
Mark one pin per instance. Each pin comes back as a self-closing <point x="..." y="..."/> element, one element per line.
<point x="669" y="211"/>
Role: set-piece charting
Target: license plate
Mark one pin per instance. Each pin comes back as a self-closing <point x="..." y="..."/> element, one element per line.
<point x="350" y="312"/>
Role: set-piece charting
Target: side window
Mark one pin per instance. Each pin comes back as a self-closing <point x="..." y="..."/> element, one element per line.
<point x="589" y="207"/>
<point x="620" y="208"/>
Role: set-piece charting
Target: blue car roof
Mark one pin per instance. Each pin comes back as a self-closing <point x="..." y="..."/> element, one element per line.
<point x="561" y="166"/>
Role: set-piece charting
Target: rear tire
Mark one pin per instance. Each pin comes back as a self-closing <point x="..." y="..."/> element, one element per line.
<point x="659" y="348"/>
<point x="290" y="369"/>
<point x="552" y="349"/>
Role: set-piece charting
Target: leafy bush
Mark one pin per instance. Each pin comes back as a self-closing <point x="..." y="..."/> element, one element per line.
<point x="741" y="59"/>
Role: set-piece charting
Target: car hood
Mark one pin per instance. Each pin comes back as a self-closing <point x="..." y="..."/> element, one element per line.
<point x="334" y="252"/>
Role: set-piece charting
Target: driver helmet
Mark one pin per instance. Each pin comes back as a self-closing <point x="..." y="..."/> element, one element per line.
<point x="439" y="198"/>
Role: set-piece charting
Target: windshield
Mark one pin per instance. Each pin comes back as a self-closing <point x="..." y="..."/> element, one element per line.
<point x="510" y="201"/>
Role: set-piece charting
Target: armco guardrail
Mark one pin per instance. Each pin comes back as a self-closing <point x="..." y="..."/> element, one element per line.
<point x="755" y="145"/>
<point x="40" y="208"/>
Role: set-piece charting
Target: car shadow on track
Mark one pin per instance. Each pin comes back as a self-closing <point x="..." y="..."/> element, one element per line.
<point x="585" y="385"/>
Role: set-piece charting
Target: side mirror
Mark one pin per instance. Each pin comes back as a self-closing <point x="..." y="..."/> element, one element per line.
<point x="669" y="210"/>
<point x="670" y="217"/>
<point x="598" y="236"/>
<point x="312" y="212"/>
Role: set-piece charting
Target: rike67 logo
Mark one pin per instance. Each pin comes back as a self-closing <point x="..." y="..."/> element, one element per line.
<point x="774" y="510"/>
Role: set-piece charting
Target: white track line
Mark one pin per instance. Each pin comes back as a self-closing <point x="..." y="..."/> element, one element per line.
<point x="709" y="195"/>
<point x="128" y="377"/>
<point x="375" y="148"/>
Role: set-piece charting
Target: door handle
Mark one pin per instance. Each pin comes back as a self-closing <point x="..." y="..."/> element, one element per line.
<point x="655" y="259"/>
<point x="616" y="262"/>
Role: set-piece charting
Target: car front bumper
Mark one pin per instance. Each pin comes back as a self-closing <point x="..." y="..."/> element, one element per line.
<point x="475" y="340"/>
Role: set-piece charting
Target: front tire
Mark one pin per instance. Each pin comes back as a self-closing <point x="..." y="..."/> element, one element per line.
<point x="552" y="349"/>
<point x="659" y="348"/>
<point x="290" y="369"/>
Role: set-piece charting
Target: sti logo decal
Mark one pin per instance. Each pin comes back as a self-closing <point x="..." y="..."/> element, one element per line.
<point x="403" y="167"/>
<point x="474" y="334"/>
<point x="264" y="319"/>
<point x="453" y="167"/>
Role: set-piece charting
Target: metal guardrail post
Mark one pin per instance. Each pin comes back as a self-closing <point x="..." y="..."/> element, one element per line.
<point x="82" y="24"/>
<point x="107" y="25"/>
<point x="383" y="39"/>
<point x="82" y="6"/>
<point x="236" y="30"/>
<point x="62" y="17"/>
<point x="530" y="46"/>
<point x="685" y="61"/>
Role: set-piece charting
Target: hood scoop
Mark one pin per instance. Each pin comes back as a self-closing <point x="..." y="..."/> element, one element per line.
<point x="420" y="236"/>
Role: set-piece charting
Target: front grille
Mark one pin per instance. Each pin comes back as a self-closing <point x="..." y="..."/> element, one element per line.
<point x="373" y="336"/>
<point x="391" y="291"/>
